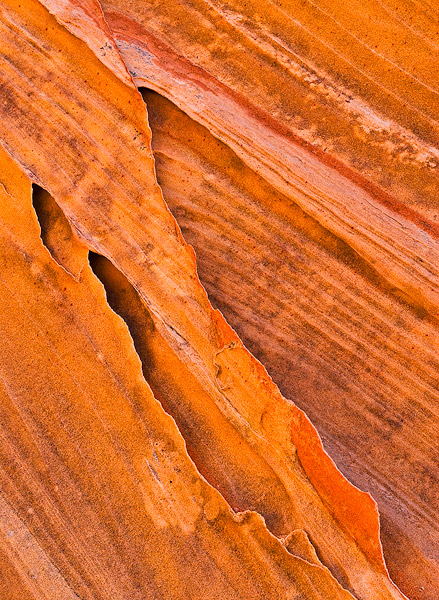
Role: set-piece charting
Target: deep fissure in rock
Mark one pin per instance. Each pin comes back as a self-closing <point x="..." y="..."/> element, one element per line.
<point x="56" y="233"/>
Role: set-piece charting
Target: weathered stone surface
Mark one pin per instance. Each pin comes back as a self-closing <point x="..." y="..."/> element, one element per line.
<point x="145" y="452"/>
<point x="360" y="361"/>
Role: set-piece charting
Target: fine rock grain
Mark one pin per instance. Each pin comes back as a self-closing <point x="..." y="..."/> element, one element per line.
<point x="145" y="452"/>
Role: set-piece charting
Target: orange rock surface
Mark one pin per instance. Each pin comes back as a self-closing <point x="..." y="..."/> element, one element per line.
<point x="145" y="452"/>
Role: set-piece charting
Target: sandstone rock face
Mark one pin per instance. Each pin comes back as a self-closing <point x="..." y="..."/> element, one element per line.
<point x="194" y="275"/>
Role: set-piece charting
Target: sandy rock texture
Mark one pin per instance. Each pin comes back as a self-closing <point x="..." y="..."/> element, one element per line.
<point x="219" y="272"/>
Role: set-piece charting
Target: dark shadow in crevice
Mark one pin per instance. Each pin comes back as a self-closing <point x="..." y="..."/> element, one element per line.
<point x="57" y="234"/>
<point x="124" y="299"/>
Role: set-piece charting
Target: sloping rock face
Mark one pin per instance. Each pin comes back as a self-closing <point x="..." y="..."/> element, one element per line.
<point x="361" y="361"/>
<point x="269" y="201"/>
